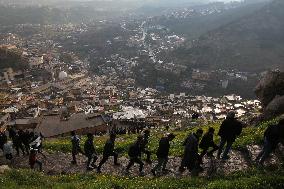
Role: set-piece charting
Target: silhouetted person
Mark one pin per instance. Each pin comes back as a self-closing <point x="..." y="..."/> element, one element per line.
<point x="76" y="149"/>
<point x="191" y="157"/>
<point x="163" y="153"/>
<point x="90" y="152"/>
<point x="3" y="139"/>
<point x="144" y="146"/>
<point x="24" y="137"/>
<point x="134" y="154"/>
<point x="36" y="142"/>
<point x="108" y="151"/>
<point x="17" y="142"/>
<point x="229" y="130"/>
<point x="208" y="142"/>
<point x="273" y="135"/>
<point x="8" y="149"/>
<point x="12" y="132"/>
<point x="33" y="159"/>
<point x="194" y="116"/>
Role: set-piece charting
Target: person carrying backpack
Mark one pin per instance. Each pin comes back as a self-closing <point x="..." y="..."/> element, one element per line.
<point x="208" y="142"/>
<point x="134" y="153"/>
<point x="273" y="135"/>
<point x="109" y="151"/>
<point x="229" y="130"/>
<point x="163" y="153"/>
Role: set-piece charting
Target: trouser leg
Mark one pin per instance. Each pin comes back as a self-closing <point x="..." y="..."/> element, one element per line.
<point x="221" y="146"/>
<point x="183" y="164"/>
<point x="164" y="163"/>
<point x="39" y="164"/>
<point x="115" y="157"/>
<point x="260" y="154"/>
<point x="89" y="160"/>
<point x="27" y="148"/>
<point x="204" y="151"/>
<point x="159" y="165"/>
<point x="94" y="159"/>
<point x="227" y="149"/>
<point x="267" y="150"/>
<point x="105" y="158"/>
<point x="214" y="148"/>
<point x="17" y="150"/>
<point x="74" y="157"/>
<point x="130" y="164"/>
<point x="141" y="164"/>
<point x="148" y="155"/>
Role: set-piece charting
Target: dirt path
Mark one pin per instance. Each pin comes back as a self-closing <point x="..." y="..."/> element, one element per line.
<point x="59" y="163"/>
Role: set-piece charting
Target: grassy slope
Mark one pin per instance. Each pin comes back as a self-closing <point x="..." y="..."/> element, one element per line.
<point x="250" y="135"/>
<point x="252" y="179"/>
<point x="272" y="177"/>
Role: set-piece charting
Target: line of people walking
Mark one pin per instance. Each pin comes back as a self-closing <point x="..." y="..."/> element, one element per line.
<point x="24" y="141"/>
<point x="192" y="160"/>
<point x="31" y="144"/>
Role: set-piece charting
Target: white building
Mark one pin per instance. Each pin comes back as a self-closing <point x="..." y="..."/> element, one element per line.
<point x="35" y="61"/>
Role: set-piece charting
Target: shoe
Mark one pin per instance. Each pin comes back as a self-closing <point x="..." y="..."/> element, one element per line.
<point x="165" y="170"/>
<point x="126" y="172"/>
<point x="73" y="162"/>
<point x="149" y="161"/>
<point x="90" y="168"/>
<point x="225" y="157"/>
<point x="141" y="174"/>
<point x="153" y="172"/>
<point x="210" y="155"/>
<point x="94" y="166"/>
<point x="200" y="169"/>
<point x="181" y="169"/>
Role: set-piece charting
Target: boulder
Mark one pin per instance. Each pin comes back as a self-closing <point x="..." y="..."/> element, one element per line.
<point x="270" y="91"/>
<point x="270" y="86"/>
<point x="4" y="168"/>
<point x="274" y="108"/>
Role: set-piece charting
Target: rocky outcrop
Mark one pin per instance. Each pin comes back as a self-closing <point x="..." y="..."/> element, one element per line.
<point x="270" y="91"/>
<point x="4" y="168"/>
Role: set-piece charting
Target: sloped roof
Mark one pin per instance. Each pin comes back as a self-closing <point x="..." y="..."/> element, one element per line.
<point x="53" y="126"/>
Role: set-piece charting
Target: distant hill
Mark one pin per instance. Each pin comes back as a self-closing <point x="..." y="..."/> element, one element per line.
<point x="253" y="43"/>
<point x="199" y="24"/>
<point x="10" y="15"/>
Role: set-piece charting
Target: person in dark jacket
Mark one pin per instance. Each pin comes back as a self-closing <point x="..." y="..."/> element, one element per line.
<point x="90" y="152"/>
<point x="3" y="139"/>
<point x="18" y="144"/>
<point x="163" y="153"/>
<point x="191" y="157"/>
<point x="134" y="155"/>
<point x="76" y="149"/>
<point x="208" y="142"/>
<point x="24" y="137"/>
<point x="144" y="146"/>
<point x="109" y="151"/>
<point x="273" y="135"/>
<point x="229" y="130"/>
<point x="195" y="116"/>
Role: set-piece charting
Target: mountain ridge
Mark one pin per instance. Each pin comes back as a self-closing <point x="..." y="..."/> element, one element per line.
<point x="243" y="44"/>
